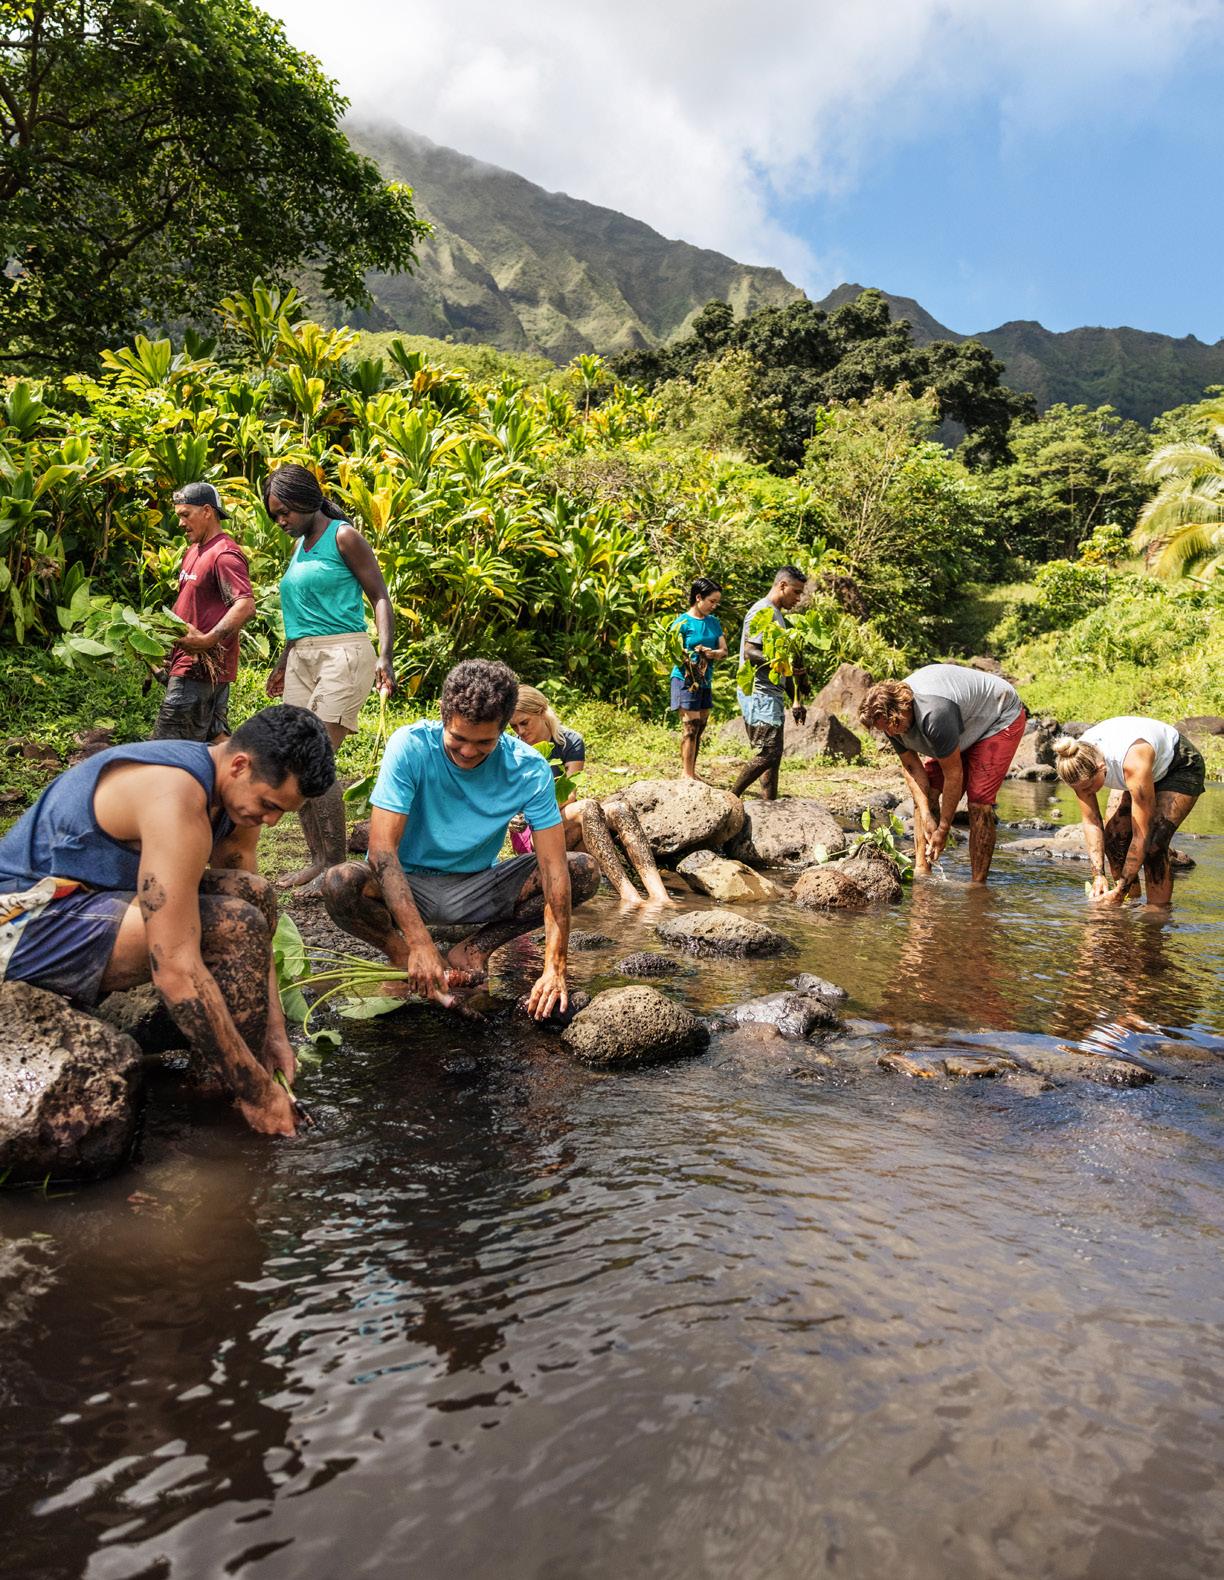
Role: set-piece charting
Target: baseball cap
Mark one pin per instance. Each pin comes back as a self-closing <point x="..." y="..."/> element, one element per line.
<point x="200" y="494"/>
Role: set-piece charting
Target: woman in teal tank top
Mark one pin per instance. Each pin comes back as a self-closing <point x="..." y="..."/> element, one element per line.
<point x="328" y="664"/>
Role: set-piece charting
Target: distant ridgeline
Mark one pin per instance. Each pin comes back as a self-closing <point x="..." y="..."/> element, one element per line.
<point x="513" y="266"/>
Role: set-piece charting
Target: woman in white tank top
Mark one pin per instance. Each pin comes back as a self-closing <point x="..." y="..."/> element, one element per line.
<point x="1159" y="774"/>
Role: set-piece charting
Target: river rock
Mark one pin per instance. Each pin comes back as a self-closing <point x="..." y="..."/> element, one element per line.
<point x="786" y="833"/>
<point x="680" y="815"/>
<point x="721" y="933"/>
<point x="633" y="1025"/>
<point x="843" y="693"/>
<point x="827" y="888"/>
<point x="1068" y="845"/>
<point x="729" y="881"/>
<point x="873" y="873"/>
<point x="580" y="941"/>
<point x="1199" y="724"/>
<point x="642" y="963"/>
<point x="68" y="1089"/>
<point x="794" y="1014"/>
<point x="805" y="982"/>
<point x="359" y="838"/>
<point x="140" y="1014"/>
<point x="821" y="735"/>
<point x="1034" y="759"/>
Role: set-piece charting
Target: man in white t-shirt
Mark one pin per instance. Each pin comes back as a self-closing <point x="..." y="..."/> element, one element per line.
<point x="1156" y="775"/>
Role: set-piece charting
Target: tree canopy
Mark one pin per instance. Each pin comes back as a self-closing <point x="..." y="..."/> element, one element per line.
<point x="157" y="154"/>
<point x="810" y="359"/>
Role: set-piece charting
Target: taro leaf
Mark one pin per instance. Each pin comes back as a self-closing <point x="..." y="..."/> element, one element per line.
<point x="358" y="794"/>
<point x="293" y="1002"/>
<point x="866" y="820"/>
<point x="368" y="1008"/>
<point x="325" y="1039"/>
<point x="88" y="648"/>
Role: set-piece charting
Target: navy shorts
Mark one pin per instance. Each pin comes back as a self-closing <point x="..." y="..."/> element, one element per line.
<point x="691" y="699"/>
<point x="68" y="947"/>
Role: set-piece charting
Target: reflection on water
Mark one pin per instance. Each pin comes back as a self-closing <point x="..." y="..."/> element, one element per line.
<point x="501" y="1316"/>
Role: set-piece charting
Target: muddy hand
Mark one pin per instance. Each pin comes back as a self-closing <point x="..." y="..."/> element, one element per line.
<point x="301" y="1113"/>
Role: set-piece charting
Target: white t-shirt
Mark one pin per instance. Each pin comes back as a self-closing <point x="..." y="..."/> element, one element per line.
<point x="1115" y="737"/>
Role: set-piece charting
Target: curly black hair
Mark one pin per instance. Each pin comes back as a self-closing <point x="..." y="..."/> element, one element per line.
<point x="284" y="740"/>
<point x="480" y="689"/>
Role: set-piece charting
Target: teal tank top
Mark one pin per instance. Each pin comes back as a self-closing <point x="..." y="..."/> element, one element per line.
<point x="320" y="596"/>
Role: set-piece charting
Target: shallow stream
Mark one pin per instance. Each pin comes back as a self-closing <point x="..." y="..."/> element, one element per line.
<point x="740" y="1316"/>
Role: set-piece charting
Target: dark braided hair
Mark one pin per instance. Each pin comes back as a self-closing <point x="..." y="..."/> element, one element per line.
<point x="298" y="487"/>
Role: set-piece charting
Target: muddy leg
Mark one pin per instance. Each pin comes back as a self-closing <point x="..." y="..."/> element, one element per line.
<point x="981" y="840"/>
<point x="1172" y="809"/>
<point x="597" y="837"/>
<point x="323" y="825"/>
<point x="474" y="952"/>
<point x="239" y="885"/>
<point x="767" y="741"/>
<point x="627" y="826"/>
<point x="353" y="899"/>
<point x="691" y="726"/>
<point x="1118" y="831"/>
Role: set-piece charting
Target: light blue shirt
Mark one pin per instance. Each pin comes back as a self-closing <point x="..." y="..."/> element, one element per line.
<point x="457" y="817"/>
<point x="696" y="631"/>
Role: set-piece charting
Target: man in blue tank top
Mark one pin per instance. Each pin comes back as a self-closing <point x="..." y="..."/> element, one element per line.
<point x="445" y="795"/>
<point x="140" y="862"/>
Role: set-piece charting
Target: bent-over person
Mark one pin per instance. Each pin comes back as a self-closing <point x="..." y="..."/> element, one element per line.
<point x="1156" y="775"/>
<point x="445" y="795"/>
<point x="139" y="863"/>
<point x="956" y="730"/>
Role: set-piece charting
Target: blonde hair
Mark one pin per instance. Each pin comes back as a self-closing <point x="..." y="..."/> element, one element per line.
<point x="532" y="701"/>
<point x="1075" y="761"/>
<point x="889" y="700"/>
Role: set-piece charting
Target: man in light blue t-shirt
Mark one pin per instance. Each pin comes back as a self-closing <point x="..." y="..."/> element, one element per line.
<point x="446" y="792"/>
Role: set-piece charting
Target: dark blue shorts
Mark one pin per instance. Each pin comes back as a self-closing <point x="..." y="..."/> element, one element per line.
<point x="68" y="948"/>
<point x="690" y="700"/>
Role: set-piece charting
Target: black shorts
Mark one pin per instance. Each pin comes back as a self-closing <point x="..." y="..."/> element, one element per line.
<point x="1187" y="773"/>
<point x="193" y="710"/>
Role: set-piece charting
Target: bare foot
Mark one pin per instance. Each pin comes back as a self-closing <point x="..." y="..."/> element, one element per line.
<point x="465" y="960"/>
<point x="302" y="877"/>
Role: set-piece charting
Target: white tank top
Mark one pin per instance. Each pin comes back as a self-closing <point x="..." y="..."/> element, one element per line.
<point x="1115" y="737"/>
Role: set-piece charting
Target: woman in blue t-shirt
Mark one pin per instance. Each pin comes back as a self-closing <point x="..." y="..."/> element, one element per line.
<point x="692" y="692"/>
<point x="589" y="824"/>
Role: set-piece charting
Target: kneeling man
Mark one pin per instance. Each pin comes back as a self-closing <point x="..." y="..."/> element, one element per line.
<point x="140" y="862"/>
<point x="956" y="730"/>
<point x="445" y="795"/>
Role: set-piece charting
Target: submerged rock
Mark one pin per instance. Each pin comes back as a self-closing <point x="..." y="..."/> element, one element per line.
<point x="1030" y="1071"/>
<point x="721" y="933"/>
<point x="633" y="1025"/>
<point x="68" y="1089"/>
<point x="787" y="833"/>
<point x="645" y="964"/>
<point x="805" y="982"/>
<point x="680" y="815"/>
<point x="726" y="880"/>
<point x="793" y="1014"/>
<point x="580" y="942"/>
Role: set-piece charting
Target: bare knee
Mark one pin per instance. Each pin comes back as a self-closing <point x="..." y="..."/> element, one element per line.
<point x="230" y="925"/>
<point x="583" y="876"/>
<point x="232" y="883"/>
<point x="343" y="887"/>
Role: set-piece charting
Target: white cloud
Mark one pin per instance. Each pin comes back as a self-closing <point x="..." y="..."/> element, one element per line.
<point x="705" y="117"/>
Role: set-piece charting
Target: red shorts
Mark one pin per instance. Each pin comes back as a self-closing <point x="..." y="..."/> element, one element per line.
<point x="986" y="762"/>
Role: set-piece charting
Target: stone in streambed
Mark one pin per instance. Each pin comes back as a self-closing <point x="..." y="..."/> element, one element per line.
<point x="633" y="1025"/>
<point x="680" y="815"/>
<point x="721" y="933"/>
<point x="140" y="1014"/>
<point x="793" y="1014"/>
<point x="805" y="982"/>
<point x="827" y="888"/>
<point x="875" y="875"/>
<point x="977" y="1066"/>
<point x="559" y="1018"/>
<point x="580" y="942"/>
<point x="68" y="1089"/>
<point x="729" y="881"/>
<point x="642" y="963"/>
<point x="902" y="1064"/>
<point x="786" y="833"/>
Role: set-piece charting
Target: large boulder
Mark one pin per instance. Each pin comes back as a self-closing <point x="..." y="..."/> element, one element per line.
<point x="633" y="1025"/>
<point x="822" y="734"/>
<point x="721" y="933"/>
<point x="729" y="881"/>
<point x="679" y="815"/>
<point x="786" y="833"/>
<point x="68" y="1089"/>
<point x="844" y="691"/>
<point x="1034" y="757"/>
<point x="1201" y="724"/>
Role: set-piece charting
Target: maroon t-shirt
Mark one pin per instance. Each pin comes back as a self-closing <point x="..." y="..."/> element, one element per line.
<point x="213" y="576"/>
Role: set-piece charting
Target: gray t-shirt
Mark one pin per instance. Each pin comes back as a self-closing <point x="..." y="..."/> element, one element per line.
<point x="954" y="706"/>
<point x="762" y="685"/>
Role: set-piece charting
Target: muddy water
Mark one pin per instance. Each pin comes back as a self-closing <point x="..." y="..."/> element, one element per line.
<point x="741" y="1317"/>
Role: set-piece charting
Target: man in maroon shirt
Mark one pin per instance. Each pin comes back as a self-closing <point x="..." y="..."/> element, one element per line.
<point x="215" y="600"/>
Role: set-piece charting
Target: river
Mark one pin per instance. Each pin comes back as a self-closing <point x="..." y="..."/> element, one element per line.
<point x="740" y="1316"/>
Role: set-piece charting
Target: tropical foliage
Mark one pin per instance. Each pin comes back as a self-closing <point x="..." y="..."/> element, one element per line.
<point x="1182" y="528"/>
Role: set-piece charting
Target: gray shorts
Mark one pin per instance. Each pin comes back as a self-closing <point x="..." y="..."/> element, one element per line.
<point x="453" y="899"/>
<point x="193" y="710"/>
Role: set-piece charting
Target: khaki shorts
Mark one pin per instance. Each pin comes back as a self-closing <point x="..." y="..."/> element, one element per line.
<point x="331" y="675"/>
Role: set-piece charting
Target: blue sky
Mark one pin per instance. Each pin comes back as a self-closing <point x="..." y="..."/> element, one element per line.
<point x="995" y="159"/>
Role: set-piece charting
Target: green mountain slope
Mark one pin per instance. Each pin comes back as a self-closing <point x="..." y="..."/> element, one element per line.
<point x="1139" y="373"/>
<point x="527" y="270"/>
